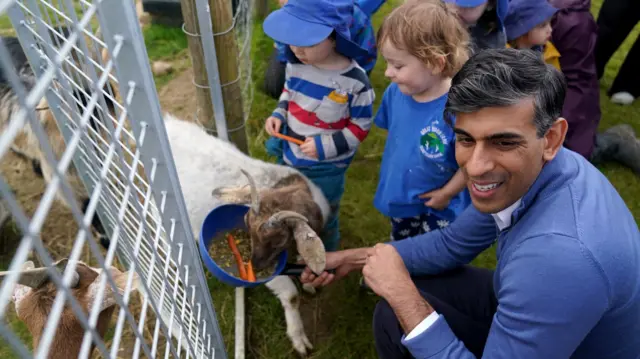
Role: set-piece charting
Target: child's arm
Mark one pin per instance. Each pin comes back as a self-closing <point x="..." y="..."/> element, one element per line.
<point x="279" y="115"/>
<point x="382" y="116"/>
<point x="283" y="102"/>
<point x="338" y="143"/>
<point x="439" y="199"/>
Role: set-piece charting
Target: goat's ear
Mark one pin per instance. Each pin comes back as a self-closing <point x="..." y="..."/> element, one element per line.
<point x="310" y="247"/>
<point x="120" y="280"/>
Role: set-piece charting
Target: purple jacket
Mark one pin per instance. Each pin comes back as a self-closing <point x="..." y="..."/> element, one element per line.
<point x="574" y="35"/>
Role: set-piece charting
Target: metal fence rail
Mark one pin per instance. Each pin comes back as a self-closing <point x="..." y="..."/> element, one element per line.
<point x="106" y="155"/>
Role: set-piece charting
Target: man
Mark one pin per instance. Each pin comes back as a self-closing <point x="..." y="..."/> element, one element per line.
<point x="567" y="282"/>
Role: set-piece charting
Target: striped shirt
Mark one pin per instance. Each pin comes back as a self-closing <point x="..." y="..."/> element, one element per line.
<point x="335" y="107"/>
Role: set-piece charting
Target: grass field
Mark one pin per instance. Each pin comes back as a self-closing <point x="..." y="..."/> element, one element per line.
<point x="338" y="320"/>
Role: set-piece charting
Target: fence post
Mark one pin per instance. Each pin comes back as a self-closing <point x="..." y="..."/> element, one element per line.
<point x="262" y="9"/>
<point x="223" y="25"/>
<point x="204" y="111"/>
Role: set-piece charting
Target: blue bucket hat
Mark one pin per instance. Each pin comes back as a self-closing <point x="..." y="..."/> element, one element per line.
<point x="308" y="22"/>
<point x="524" y="15"/>
<point x="501" y="6"/>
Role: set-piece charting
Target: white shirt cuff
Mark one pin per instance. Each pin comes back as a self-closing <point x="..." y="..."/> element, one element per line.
<point x="424" y="325"/>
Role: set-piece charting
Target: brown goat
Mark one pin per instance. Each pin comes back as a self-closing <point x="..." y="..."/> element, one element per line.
<point x="33" y="305"/>
<point x="281" y="216"/>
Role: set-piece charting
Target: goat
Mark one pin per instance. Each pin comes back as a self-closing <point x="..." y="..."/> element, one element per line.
<point x="9" y="105"/>
<point x="285" y="206"/>
<point x="33" y="297"/>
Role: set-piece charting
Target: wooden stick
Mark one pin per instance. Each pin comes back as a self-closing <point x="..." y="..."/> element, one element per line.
<point x="288" y="138"/>
<point x="232" y="244"/>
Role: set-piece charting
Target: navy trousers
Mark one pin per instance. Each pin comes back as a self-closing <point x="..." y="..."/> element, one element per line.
<point x="464" y="296"/>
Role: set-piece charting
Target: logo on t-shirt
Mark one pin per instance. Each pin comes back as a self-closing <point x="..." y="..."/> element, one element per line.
<point x="432" y="142"/>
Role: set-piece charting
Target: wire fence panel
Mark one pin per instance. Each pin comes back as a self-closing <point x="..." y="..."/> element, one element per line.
<point x="89" y="185"/>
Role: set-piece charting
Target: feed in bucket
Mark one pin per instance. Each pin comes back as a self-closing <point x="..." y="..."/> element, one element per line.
<point x="232" y="253"/>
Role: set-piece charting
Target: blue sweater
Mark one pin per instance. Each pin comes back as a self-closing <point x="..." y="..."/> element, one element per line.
<point x="568" y="274"/>
<point x="418" y="156"/>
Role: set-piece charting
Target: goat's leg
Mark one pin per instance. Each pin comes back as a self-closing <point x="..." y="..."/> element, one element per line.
<point x="284" y="288"/>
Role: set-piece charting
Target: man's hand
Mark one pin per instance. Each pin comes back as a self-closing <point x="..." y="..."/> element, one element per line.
<point x="342" y="261"/>
<point x="385" y="272"/>
<point x="272" y="125"/>
<point x="437" y="199"/>
<point x="309" y="147"/>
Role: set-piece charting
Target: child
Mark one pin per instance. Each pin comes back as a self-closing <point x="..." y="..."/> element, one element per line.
<point x="361" y="32"/>
<point x="421" y="187"/>
<point x="528" y="26"/>
<point x="327" y="99"/>
<point x="485" y="20"/>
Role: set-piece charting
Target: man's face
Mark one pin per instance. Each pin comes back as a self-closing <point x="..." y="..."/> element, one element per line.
<point x="500" y="154"/>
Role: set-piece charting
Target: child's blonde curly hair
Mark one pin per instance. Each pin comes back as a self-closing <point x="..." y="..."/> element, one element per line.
<point x="428" y="30"/>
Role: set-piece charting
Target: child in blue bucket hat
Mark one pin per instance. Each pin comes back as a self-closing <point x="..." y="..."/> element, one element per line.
<point x="528" y="26"/>
<point x="485" y="20"/>
<point x="327" y="100"/>
<point x="361" y="32"/>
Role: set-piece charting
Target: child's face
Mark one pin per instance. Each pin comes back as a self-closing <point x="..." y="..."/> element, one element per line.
<point x="314" y="54"/>
<point x="540" y="34"/>
<point x="469" y="15"/>
<point x="411" y="75"/>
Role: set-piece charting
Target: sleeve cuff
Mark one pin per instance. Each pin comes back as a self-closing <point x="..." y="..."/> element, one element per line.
<point x="319" y="148"/>
<point x="424" y="325"/>
<point x="279" y="116"/>
<point x="430" y="341"/>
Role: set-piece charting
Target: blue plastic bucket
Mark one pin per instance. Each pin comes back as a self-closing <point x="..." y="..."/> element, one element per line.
<point x="225" y="218"/>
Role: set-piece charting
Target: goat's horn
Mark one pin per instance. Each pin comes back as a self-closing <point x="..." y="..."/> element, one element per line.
<point x="282" y="215"/>
<point x="255" y="199"/>
<point x="36" y="277"/>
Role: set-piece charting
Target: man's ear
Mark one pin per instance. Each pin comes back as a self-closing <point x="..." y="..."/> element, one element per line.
<point x="554" y="138"/>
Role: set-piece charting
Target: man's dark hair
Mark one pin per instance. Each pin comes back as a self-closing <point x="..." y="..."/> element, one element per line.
<point x="504" y="77"/>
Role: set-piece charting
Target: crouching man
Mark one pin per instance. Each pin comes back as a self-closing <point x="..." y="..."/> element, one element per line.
<point x="567" y="282"/>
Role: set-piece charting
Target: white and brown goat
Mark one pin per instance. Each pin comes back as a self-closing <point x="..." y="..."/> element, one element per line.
<point x="34" y="294"/>
<point x="286" y="207"/>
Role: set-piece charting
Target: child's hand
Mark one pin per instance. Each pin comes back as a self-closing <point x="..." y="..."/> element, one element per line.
<point x="272" y="126"/>
<point x="309" y="147"/>
<point x="438" y="199"/>
<point x="282" y="2"/>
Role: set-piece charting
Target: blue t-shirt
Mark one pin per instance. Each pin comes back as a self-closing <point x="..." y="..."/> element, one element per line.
<point x="418" y="156"/>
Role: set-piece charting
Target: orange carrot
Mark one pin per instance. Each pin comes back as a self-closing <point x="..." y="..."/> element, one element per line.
<point x="232" y="244"/>
<point x="288" y="138"/>
<point x="251" y="276"/>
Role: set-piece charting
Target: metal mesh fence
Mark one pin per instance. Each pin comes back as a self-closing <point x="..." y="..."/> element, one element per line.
<point x="78" y="108"/>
